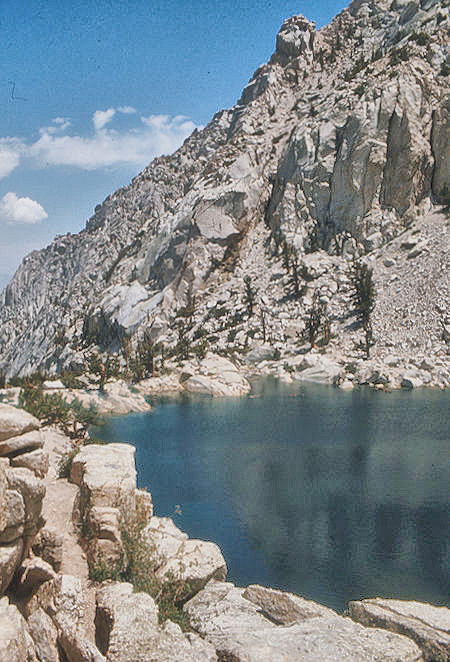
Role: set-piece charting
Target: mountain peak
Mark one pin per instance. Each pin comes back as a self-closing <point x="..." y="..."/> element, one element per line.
<point x="338" y="147"/>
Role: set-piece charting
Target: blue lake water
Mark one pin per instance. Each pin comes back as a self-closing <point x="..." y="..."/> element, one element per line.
<point x="330" y="494"/>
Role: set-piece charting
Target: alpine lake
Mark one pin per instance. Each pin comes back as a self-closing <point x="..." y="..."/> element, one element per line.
<point x="330" y="494"/>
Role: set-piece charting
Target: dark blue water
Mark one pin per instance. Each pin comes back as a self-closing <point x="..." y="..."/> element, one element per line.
<point x="329" y="494"/>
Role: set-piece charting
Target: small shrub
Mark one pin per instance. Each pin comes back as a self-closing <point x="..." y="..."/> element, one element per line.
<point x="399" y="55"/>
<point x="317" y="319"/>
<point x="360" y="89"/>
<point x="70" y="379"/>
<point x="364" y="295"/>
<point x="445" y="69"/>
<point x="357" y="67"/>
<point x="103" y="570"/>
<point x="421" y="38"/>
<point x="361" y="277"/>
<point x="65" y="464"/>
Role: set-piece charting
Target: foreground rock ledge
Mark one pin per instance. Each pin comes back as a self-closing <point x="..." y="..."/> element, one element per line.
<point x="243" y="631"/>
<point x="428" y="626"/>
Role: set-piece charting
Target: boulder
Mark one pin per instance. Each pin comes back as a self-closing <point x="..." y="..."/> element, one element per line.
<point x="16" y="644"/>
<point x="22" y="443"/>
<point x="32" y="491"/>
<point x="410" y="381"/>
<point x="196" y="562"/>
<point x="127" y="629"/>
<point x="164" y="537"/>
<point x="117" y="398"/>
<point x="10" y="557"/>
<point x="53" y="384"/>
<point x="37" y="461"/>
<point x="240" y="630"/>
<point x="284" y="608"/>
<point x="48" y="544"/>
<point x="218" y="377"/>
<point x="62" y="600"/>
<point x="14" y="517"/>
<point x="105" y="541"/>
<point x="44" y="635"/>
<point x="260" y="353"/>
<point x="322" y="371"/>
<point x="14" y="422"/>
<point x="32" y="573"/>
<point x="106" y="476"/>
<point x="4" y="467"/>
<point x="191" y="561"/>
<point x="427" y="625"/>
<point x="125" y="621"/>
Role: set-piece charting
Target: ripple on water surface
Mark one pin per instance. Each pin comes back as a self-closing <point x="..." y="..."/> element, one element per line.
<point x="329" y="494"/>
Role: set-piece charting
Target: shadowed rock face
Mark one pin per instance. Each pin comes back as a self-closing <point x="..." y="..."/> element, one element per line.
<point x="341" y="136"/>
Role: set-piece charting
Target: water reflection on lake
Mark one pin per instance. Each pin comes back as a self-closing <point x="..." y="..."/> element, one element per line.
<point x="330" y="494"/>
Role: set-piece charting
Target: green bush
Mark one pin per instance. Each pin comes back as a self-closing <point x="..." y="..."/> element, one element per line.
<point x="399" y="55"/>
<point x="445" y="69"/>
<point x="138" y="567"/>
<point x="51" y="408"/>
<point x="70" y="379"/>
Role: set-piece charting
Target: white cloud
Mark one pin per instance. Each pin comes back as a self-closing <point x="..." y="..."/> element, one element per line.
<point x="157" y="134"/>
<point x="57" y="145"/>
<point x="127" y="110"/>
<point x="21" y="210"/>
<point x="59" y="124"/>
<point x="10" y="151"/>
<point x="102" y="117"/>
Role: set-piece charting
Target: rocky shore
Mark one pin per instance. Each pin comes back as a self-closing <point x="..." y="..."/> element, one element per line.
<point x="220" y="377"/>
<point x="54" y="530"/>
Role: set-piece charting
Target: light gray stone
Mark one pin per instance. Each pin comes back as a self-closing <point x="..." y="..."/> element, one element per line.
<point x="14" y="422"/>
<point x="127" y="629"/>
<point x="37" y="461"/>
<point x="15" y="642"/>
<point x="106" y="476"/>
<point x="427" y="625"/>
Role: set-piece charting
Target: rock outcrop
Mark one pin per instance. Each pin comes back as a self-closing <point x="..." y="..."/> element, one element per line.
<point x="21" y="489"/>
<point x="338" y="147"/>
<point x="127" y="629"/>
<point x="16" y="644"/>
<point x="184" y="559"/>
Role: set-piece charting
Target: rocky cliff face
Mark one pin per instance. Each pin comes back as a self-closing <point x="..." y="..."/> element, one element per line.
<point x="338" y="144"/>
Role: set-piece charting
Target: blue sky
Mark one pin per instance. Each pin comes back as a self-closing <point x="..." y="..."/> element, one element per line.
<point x="91" y="91"/>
